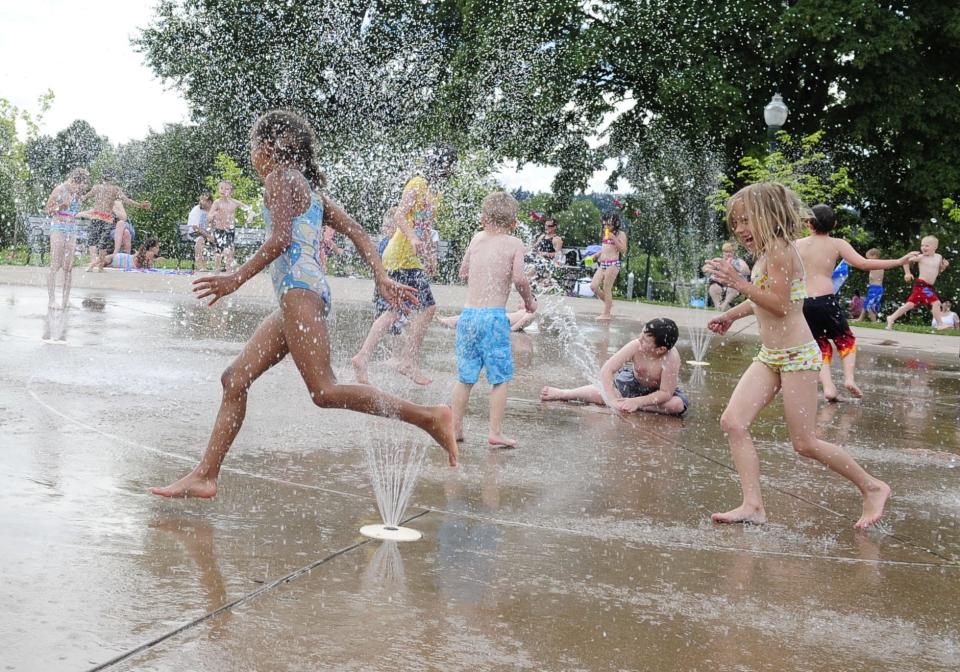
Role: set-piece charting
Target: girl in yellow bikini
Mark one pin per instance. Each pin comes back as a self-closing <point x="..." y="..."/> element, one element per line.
<point x="767" y="218"/>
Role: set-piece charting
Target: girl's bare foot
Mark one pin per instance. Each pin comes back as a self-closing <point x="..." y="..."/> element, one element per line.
<point x="191" y="485"/>
<point x="744" y="513"/>
<point x="414" y="374"/>
<point x="853" y="389"/>
<point x="873" y="501"/>
<point x="501" y="441"/>
<point x="442" y="431"/>
<point x="360" y="370"/>
<point x="603" y="318"/>
<point x="550" y="394"/>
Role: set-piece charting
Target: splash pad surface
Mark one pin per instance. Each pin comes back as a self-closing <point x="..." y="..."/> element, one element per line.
<point x="590" y="542"/>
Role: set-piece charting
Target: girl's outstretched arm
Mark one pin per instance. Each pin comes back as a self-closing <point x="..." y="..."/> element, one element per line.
<point x="287" y="196"/>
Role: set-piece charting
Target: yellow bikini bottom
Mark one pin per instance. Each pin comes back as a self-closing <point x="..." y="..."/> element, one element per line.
<point x="804" y="357"/>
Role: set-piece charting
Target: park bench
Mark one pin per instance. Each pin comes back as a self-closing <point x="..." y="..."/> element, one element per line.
<point x="38" y="236"/>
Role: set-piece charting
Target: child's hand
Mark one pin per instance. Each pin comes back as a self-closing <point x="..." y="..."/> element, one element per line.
<point x="396" y="294"/>
<point x="531" y="305"/>
<point x="908" y="277"/>
<point x="720" y="324"/>
<point x="722" y="271"/>
<point x="626" y="405"/>
<point x="217" y="286"/>
<point x="910" y="257"/>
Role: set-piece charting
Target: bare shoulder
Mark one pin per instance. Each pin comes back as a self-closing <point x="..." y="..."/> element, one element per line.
<point x="671" y="360"/>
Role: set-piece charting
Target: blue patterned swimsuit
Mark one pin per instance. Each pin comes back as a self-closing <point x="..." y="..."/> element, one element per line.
<point x="65" y="221"/>
<point x="299" y="265"/>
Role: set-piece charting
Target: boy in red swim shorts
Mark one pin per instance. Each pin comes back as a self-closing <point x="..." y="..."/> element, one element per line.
<point x="930" y="265"/>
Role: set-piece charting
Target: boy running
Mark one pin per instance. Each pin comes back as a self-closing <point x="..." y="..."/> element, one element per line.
<point x="493" y="261"/>
<point x="929" y="267"/>
<point x="871" y="303"/>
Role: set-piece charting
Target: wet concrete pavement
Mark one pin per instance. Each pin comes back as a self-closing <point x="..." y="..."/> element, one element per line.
<point x="588" y="548"/>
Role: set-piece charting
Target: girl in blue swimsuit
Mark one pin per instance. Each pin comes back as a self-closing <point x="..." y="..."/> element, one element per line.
<point x="64" y="204"/>
<point x="283" y="151"/>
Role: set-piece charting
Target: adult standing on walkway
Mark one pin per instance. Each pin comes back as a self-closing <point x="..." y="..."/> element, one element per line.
<point x="612" y="245"/>
<point x="197" y="227"/>
<point x="409" y="257"/>
<point x="64" y="204"/>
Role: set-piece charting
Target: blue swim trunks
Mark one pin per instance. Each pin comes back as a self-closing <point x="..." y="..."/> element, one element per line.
<point x="483" y="341"/>
<point x="874" y="295"/>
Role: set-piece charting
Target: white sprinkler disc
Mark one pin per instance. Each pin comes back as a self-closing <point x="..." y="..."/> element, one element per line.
<point x="693" y="362"/>
<point x="389" y="533"/>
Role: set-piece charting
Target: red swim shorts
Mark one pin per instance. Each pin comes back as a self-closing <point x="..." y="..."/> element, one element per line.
<point x="922" y="294"/>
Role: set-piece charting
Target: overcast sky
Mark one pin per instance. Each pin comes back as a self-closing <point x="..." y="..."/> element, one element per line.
<point x="82" y="52"/>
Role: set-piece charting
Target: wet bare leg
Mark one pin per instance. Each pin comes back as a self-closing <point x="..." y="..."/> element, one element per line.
<point x="900" y="312"/>
<point x="56" y="262"/>
<point x="410" y="359"/>
<point x="588" y="393"/>
<point x="498" y="408"/>
<point x="799" y="410"/>
<point x="450" y="322"/>
<point x="460" y="397"/>
<point x="756" y="389"/>
<point x="361" y="360"/>
<point x="849" y="370"/>
<point x="826" y="380"/>
<point x="69" y="252"/>
<point x="306" y="335"/>
<point x="265" y="348"/>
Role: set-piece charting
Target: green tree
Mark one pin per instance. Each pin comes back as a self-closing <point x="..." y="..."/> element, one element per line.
<point x="17" y="198"/>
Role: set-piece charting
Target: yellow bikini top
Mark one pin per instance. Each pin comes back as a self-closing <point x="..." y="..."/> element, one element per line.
<point x="798" y="286"/>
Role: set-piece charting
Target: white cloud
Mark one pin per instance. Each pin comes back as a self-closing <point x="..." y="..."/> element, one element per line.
<point x="82" y="51"/>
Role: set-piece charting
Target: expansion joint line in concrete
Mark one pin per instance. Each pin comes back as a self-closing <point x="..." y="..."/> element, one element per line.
<point x="292" y="576"/>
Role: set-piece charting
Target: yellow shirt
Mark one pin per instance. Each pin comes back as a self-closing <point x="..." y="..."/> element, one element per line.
<point x="400" y="253"/>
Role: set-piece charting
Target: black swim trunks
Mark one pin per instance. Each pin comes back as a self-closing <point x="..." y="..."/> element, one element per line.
<point x="629" y="388"/>
<point x="828" y="322"/>
<point x="412" y="277"/>
<point x="223" y="239"/>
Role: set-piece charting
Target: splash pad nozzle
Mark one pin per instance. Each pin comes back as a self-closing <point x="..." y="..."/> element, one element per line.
<point x="697" y="362"/>
<point x="390" y="533"/>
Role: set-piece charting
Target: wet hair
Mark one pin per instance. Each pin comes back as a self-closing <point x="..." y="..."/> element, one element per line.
<point x="291" y="141"/>
<point x="226" y="182"/>
<point x="936" y="242"/>
<point x="440" y="158"/>
<point x="549" y="219"/>
<point x="205" y="196"/>
<point x="141" y="257"/>
<point x="728" y="247"/>
<point x="500" y="209"/>
<point x="823" y="220"/>
<point x="664" y="331"/>
<point x="772" y="211"/>
<point x="872" y="253"/>
<point x="612" y="220"/>
<point x="79" y="175"/>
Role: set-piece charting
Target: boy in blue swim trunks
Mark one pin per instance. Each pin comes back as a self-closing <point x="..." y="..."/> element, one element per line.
<point x="643" y="376"/>
<point x="492" y="263"/>
<point x="871" y="303"/>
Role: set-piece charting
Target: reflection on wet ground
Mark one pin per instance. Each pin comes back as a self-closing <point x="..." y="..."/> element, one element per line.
<point x="589" y="547"/>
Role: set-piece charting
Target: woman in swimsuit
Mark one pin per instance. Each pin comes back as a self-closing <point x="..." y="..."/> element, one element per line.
<point x="613" y="243"/>
<point x="766" y="218"/>
<point x="283" y="152"/>
<point x="64" y="204"/>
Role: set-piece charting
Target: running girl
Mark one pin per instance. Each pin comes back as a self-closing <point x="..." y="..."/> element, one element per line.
<point x="766" y="219"/>
<point x="64" y="204"/>
<point x="283" y="152"/>
<point x="613" y="244"/>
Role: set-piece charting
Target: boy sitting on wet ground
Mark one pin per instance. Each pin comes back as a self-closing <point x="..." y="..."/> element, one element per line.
<point x="492" y="263"/>
<point x="650" y="384"/>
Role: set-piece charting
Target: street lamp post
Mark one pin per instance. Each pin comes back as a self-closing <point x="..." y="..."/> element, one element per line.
<point x="775" y="114"/>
